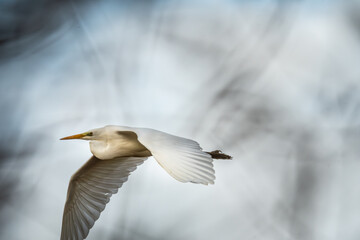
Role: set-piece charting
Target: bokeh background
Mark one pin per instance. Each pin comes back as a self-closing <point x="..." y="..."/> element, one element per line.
<point x="276" y="84"/>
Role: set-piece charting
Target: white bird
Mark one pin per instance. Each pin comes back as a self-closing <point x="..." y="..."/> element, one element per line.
<point x="117" y="152"/>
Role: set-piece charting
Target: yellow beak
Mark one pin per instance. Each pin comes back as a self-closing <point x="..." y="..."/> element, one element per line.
<point x="76" y="136"/>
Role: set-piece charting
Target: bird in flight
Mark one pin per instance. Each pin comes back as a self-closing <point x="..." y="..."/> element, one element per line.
<point x="117" y="151"/>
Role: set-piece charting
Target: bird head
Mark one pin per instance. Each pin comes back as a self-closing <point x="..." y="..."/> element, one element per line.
<point x="84" y="136"/>
<point x="103" y="133"/>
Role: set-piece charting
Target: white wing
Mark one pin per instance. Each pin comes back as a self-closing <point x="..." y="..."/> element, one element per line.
<point x="182" y="158"/>
<point x="90" y="189"/>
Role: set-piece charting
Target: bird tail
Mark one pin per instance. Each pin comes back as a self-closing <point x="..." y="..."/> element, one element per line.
<point x="217" y="154"/>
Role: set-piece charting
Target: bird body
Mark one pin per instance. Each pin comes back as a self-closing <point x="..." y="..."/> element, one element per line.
<point x="117" y="141"/>
<point x="117" y="152"/>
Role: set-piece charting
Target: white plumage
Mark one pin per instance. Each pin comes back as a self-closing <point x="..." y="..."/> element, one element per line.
<point x="117" y="152"/>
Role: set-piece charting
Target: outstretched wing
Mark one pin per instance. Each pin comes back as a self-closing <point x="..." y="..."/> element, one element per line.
<point x="90" y="189"/>
<point x="182" y="158"/>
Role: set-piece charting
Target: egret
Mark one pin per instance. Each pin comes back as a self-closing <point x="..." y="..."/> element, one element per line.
<point x="117" y="151"/>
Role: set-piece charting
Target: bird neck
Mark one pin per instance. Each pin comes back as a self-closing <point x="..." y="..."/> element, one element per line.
<point x="99" y="149"/>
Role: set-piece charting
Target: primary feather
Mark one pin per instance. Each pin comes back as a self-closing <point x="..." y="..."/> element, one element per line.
<point x="90" y="189"/>
<point x="182" y="158"/>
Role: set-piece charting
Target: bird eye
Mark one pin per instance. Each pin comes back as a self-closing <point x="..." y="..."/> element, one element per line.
<point x="89" y="134"/>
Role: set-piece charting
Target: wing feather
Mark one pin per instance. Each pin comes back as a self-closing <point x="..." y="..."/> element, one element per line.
<point x="182" y="158"/>
<point x="89" y="191"/>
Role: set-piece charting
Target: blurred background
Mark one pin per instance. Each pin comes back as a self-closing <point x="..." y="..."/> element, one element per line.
<point x="275" y="84"/>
